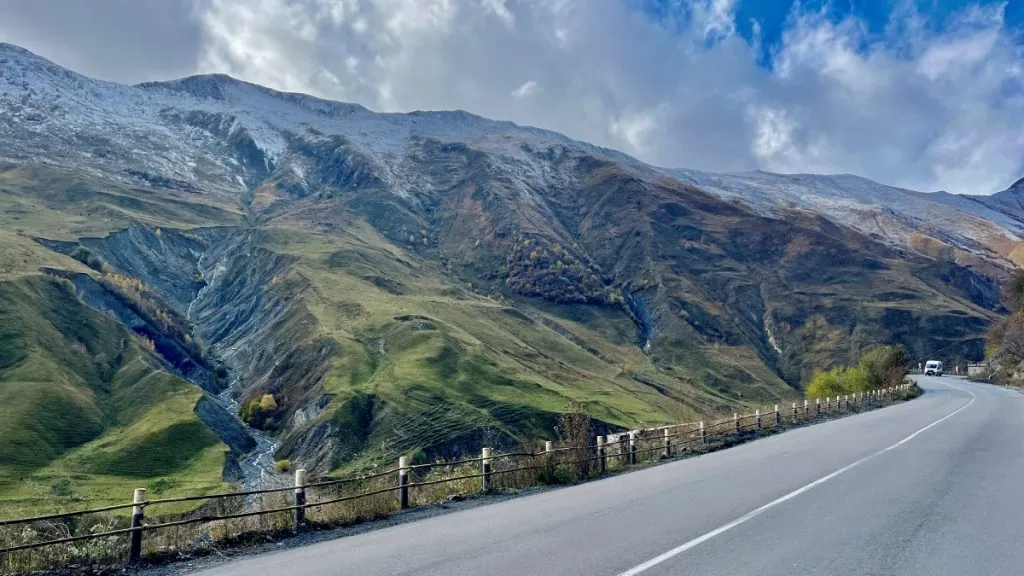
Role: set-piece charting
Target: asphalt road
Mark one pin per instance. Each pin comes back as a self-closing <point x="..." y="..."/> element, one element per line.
<point x="929" y="487"/>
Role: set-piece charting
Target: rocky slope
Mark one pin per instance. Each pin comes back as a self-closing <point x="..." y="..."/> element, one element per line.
<point x="359" y="285"/>
<point x="981" y="232"/>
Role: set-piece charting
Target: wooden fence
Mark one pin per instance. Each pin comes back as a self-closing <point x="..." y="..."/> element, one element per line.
<point x="409" y="484"/>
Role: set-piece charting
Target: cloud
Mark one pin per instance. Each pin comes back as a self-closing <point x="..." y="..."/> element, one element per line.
<point x="635" y="130"/>
<point x="921" y="104"/>
<point x="920" y="109"/>
<point x="529" y="88"/>
<point x="120" y="40"/>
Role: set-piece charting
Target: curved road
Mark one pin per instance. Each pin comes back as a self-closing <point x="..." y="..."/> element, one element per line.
<point x="928" y="487"/>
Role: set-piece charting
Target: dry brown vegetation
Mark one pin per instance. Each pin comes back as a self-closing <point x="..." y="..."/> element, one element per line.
<point x="536" y="268"/>
<point x="136" y="295"/>
<point x="333" y="503"/>
<point x="1005" y="346"/>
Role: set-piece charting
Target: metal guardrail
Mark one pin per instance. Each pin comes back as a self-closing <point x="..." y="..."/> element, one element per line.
<point x="669" y="441"/>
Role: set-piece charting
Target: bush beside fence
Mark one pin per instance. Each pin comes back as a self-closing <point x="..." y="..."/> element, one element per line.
<point x="98" y="537"/>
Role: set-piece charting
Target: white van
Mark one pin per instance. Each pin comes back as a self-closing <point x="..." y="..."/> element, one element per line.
<point x="933" y="368"/>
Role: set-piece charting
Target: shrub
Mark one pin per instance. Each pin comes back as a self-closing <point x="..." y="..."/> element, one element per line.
<point x="146" y="343"/>
<point x="824" y="384"/>
<point x="160" y="485"/>
<point x="268" y="403"/>
<point x="136" y="295"/>
<point x="855" y="379"/>
<point x="884" y="366"/>
<point x="1006" y="346"/>
<point x="535" y="268"/>
<point x="261" y="412"/>
<point x="878" y="367"/>
<point x="283" y="465"/>
<point x="418" y="457"/>
<point x="87" y="257"/>
<point x="1013" y="291"/>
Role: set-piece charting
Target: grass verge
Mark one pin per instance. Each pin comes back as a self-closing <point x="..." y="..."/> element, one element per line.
<point x="434" y="486"/>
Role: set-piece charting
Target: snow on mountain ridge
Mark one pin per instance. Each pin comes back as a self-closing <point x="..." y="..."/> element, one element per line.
<point x="897" y="215"/>
<point x="50" y="112"/>
<point x="226" y="136"/>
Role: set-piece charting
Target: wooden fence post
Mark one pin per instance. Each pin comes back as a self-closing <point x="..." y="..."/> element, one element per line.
<point x="668" y="444"/>
<point x="549" y="456"/>
<point x="805" y="408"/>
<point x="403" y="482"/>
<point x="602" y="462"/>
<point x="623" y="449"/>
<point x="817" y="406"/>
<point x="138" y="515"/>
<point x="300" y="498"/>
<point x="702" y="437"/>
<point x="485" y="469"/>
<point x="736" y="421"/>
<point x="778" y="416"/>
<point x="794" y="412"/>
<point x="632" y="447"/>
<point x="757" y="416"/>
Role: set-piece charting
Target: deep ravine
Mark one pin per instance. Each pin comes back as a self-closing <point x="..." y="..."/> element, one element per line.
<point x="258" y="467"/>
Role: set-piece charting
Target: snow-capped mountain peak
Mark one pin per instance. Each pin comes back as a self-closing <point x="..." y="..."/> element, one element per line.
<point x="897" y="216"/>
<point x="170" y="129"/>
<point x="227" y="137"/>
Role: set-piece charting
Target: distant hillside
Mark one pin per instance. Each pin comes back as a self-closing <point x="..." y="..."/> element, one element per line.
<point x="354" y="286"/>
<point x="979" y="232"/>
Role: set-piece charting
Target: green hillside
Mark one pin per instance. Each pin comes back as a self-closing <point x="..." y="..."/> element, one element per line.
<point x="86" y="407"/>
<point x="88" y="412"/>
<point x="422" y="362"/>
<point x="354" y="322"/>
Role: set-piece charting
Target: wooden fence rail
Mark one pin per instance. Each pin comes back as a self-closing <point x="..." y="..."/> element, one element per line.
<point x="611" y="452"/>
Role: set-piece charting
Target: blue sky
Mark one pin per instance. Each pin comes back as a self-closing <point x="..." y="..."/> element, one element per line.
<point x="771" y="16"/>
<point x="922" y="94"/>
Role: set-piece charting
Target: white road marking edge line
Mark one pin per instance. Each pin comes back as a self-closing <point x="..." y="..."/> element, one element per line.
<point x="753" y="514"/>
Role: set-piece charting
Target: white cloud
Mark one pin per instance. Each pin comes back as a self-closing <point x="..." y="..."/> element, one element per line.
<point x="717" y="16"/>
<point x="529" y="88"/>
<point x="500" y="10"/>
<point x="913" y="107"/>
<point x="635" y="129"/>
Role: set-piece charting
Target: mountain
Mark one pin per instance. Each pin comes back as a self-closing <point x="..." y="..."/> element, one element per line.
<point x="355" y="285"/>
<point x="977" y="231"/>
